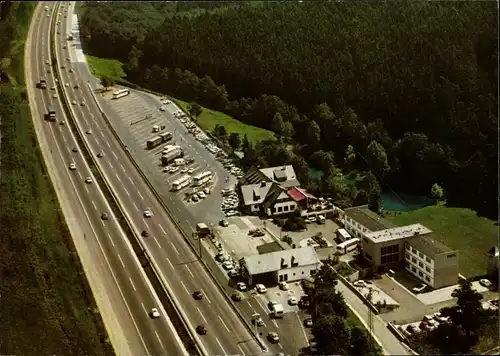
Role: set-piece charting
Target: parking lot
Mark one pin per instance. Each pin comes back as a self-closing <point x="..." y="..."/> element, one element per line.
<point x="138" y="117"/>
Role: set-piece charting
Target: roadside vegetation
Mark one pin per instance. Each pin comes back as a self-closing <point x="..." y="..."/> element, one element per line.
<point x="46" y="304"/>
<point x="106" y="68"/>
<point x="457" y="228"/>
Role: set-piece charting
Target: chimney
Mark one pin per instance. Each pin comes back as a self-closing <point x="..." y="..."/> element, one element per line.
<point x="283" y="263"/>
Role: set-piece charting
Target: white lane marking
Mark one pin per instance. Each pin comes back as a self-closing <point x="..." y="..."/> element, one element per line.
<point x="135" y="206"/>
<point x="117" y="176"/>
<point x="107" y="143"/>
<point x="189" y="270"/>
<point x="121" y="261"/>
<point x="143" y="307"/>
<point x="110" y="165"/>
<point x="223" y="351"/>
<point x="158" y="337"/>
<point x="130" y="179"/>
<point x="126" y="191"/>
<point x="205" y="294"/>
<point x="242" y="352"/>
<point x="203" y="316"/>
<point x="302" y="327"/>
<point x="170" y="263"/>
<point x="184" y="286"/>
<point x="175" y="249"/>
<point x="93" y="203"/>
<point x="123" y="168"/>
<point x="140" y="195"/>
<point x="275" y="324"/>
<point x="157" y="243"/>
<point x="281" y="347"/>
<point x="111" y="239"/>
<point x="162" y="229"/>
<point x="80" y="175"/>
<point x="132" y="283"/>
<point x="223" y="323"/>
<point x="86" y="189"/>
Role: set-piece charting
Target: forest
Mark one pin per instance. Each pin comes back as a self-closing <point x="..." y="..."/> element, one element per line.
<point x="403" y="95"/>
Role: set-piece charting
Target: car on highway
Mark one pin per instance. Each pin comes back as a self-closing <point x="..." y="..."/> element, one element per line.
<point x="61" y="122"/>
<point x="292" y="300"/>
<point x="283" y="285"/>
<point x="82" y="103"/>
<point x="75" y="150"/>
<point x="49" y="71"/>
<point x="88" y="180"/>
<point x="144" y="233"/>
<point x="147" y="214"/>
<point x="308" y="323"/>
<point x="73" y="102"/>
<point x="48" y="15"/>
<point x="197" y="295"/>
<point x="67" y="85"/>
<point x="88" y="132"/>
<point x="63" y="66"/>
<point x="104" y="216"/>
<point x="154" y="313"/>
<point x="162" y="108"/>
<point x="68" y="59"/>
<point x="71" y="70"/>
<point x="76" y="86"/>
<point x="202" y="330"/>
<point x="54" y="96"/>
<point x="273" y="337"/>
<point x="241" y="286"/>
<point x="258" y="321"/>
<point x="64" y="46"/>
<point x="100" y="155"/>
<point x="261" y="288"/>
<point x="236" y="297"/>
<point x="72" y="166"/>
<point x="47" y="62"/>
<point x="53" y="87"/>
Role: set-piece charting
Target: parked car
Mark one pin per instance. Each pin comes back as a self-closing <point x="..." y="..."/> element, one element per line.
<point x="421" y="288"/>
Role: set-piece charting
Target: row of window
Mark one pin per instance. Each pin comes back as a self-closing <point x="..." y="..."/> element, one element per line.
<point x="356" y="224"/>
<point x="417" y="262"/>
<point x="417" y="252"/>
<point x="389" y="249"/>
<point x="286" y="208"/>
<point x="420" y="273"/>
<point x="284" y="277"/>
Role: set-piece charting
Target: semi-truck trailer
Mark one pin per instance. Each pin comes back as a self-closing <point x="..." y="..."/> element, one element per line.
<point x="158" y="140"/>
<point x="171" y="155"/>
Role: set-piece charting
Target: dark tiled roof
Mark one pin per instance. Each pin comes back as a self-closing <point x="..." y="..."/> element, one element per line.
<point x="368" y="218"/>
<point x="428" y="245"/>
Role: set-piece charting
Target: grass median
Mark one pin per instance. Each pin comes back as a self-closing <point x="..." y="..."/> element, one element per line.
<point x="46" y="304"/>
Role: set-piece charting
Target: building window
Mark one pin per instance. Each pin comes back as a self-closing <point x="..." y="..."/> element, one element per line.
<point x="420" y="273"/>
<point x="302" y="272"/>
<point x="451" y="255"/>
<point x="427" y="278"/>
<point x="280" y="209"/>
<point x="407" y="256"/>
<point x="414" y="260"/>
<point x="413" y="269"/>
<point x="421" y="255"/>
<point x="427" y="259"/>
<point x="292" y="207"/>
<point x="427" y="269"/>
<point x="364" y="230"/>
<point x="286" y="207"/>
<point x="313" y="272"/>
<point x="408" y="248"/>
<point x="389" y="254"/>
<point x="420" y="264"/>
<point x="275" y="209"/>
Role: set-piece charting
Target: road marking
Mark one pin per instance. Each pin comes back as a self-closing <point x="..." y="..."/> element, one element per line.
<point x="107" y="143"/>
<point x="111" y="239"/>
<point x="140" y="195"/>
<point x="170" y="263"/>
<point x="123" y="168"/>
<point x="208" y="300"/>
<point x="175" y="249"/>
<point x="130" y="179"/>
<point x="279" y="344"/>
<point x="110" y="165"/>
<point x="157" y="242"/>
<point x="184" y="286"/>
<point x="275" y="324"/>
<point x="114" y="154"/>
<point x="223" y="323"/>
<point x="223" y="351"/>
<point x="143" y="307"/>
<point x="86" y="189"/>
<point x="132" y="283"/>
<point x="135" y="205"/>
<point x="242" y="352"/>
<point x="121" y="261"/>
<point x="189" y="270"/>
<point x="158" y="337"/>
<point x="93" y="203"/>
<point x="118" y="177"/>
<point x="126" y="191"/>
<point x="302" y="327"/>
<point x="203" y="316"/>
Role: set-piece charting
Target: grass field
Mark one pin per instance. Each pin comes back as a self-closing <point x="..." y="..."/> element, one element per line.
<point x="457" y="228"/>
<point x="102" y="67"/>
<point x="209" y="118"/>
<point x="46" y="305"/>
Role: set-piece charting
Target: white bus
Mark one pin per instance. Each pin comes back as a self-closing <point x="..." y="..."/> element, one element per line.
<point x="121" y="93"/>
<point x="181" y="183"/>
<point x="343" y="235"/>
<point x="202" y="178"/>
<point x="348" y="246"/>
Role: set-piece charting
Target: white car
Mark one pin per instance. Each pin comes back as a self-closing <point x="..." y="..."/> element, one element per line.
<point x="241" y="286"/>
<point x="82" y="103"/>
<point x="53" y="87"/>
<point x="166" y="169"/>
<point x="174" y="169"/>
<point x="184" y="170"/>
<point x="88" y="180"/>
<point x="283" y="285"/>
<point x="202" y="195"/>
<point x="67" y="84"/>
<point x="155" y="313"/>
<point x="147" y="214"/>
<point x="228" y="265"/>
<point x="89" y="132"/>
<point x="162" y="108"/>
<point x="206" y="191"/>
<point x="54" y="96"/>
<point x="72" y="166"/>
<point x="261" y="288"/>
<point x="190" y="170"/>
<point x="485" y="283"/>
<point x="73" y="102"/>
<point x="292" y="300"/>
<point x="359" y="283"/>
<point x="47" y="62"/>
<point x="420" y="288"/>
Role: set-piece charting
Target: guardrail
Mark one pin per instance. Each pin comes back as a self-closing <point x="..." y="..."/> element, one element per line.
<point x="250" y="328"/>
<point x="65" y="100"/>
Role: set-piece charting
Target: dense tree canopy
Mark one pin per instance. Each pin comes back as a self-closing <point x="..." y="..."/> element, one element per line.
<point x="405" y="90"/>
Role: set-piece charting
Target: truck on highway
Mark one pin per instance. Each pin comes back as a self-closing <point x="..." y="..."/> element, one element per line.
<point x="51" y="114"/>
<point x="171" y="154"/>
<point x="43" y="83"/>
<point x="158" y="140"/>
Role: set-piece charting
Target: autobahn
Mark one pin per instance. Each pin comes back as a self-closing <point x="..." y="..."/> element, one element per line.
<point x="179" y="266"/>
<point x="123" y="293"/>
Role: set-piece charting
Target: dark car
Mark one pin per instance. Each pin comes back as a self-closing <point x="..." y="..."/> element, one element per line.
<point x="75" y="149"/>
<point x="104" y="216"/>
<point x="197" y="295"/>
<point x="236" y="297"/>
<point x="223" y="223"/>
<point x="100" y="155"/>
<point x="200" y="329"/>
<point x="144" y="233"/>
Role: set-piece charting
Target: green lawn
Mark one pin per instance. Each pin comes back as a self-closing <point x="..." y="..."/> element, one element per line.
<point x="457" y="228"/>
<point x="102" y="67"/>
<point x="209" y="118"/>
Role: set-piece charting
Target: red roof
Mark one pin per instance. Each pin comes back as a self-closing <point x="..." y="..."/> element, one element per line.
<point x="298" y="194"/>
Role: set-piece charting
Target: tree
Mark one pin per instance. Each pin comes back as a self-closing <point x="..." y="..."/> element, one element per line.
<point x="377" y="159"/>
<point x="277" y="124"/>
<point x="374" y="201"/>
<point x="361" y="198"/>
<point x="359" y="342"/>
<point x="331" y="335"/>
<point x="107" y="82"/>
<point x="287" y="130"/>
<point x="220" y="132"/>
<point x="246" y="145"/>
<point x="195" y="109"/>
<point x="468" y="312"/>
<point x="322" y="160"/>
<point x="437" y="192"/>
<point x="350" y="156"/>
<point x="234" y="140"/>
<point x="314" y="135"/>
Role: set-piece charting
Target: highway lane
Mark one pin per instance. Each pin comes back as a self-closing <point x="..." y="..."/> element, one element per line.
<point x="134" y="287"/>
<point x="226" y="333"/>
